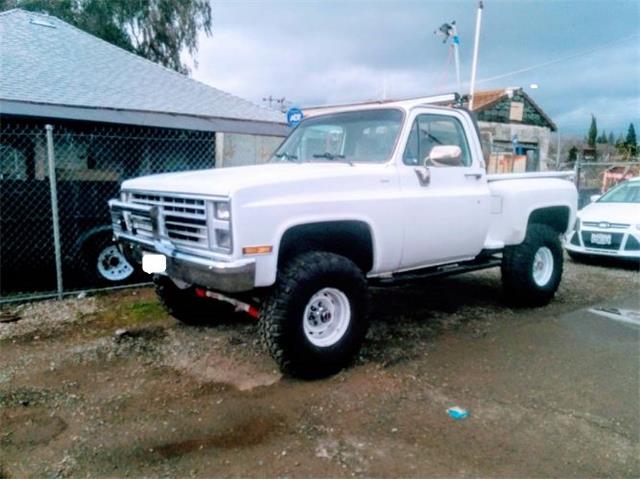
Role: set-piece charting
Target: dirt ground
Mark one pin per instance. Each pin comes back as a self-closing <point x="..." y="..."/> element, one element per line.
<point x="110" y="386"/>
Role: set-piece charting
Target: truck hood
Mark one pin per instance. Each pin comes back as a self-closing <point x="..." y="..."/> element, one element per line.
<point x="611" y="212"/>
<point x="226" y="181"/>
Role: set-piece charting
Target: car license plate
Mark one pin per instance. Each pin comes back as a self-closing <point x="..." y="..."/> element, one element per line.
<point x="601" y="238"/>
<point x="154" y="263"/>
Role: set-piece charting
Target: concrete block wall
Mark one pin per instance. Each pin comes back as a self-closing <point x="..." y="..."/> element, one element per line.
<point x="234" y="150"/>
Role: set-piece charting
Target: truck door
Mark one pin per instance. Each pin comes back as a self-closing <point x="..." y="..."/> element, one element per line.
<point x="446" y="204"/>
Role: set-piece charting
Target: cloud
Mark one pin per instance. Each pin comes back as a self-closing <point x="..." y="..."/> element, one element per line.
<point x="333" y="52"/>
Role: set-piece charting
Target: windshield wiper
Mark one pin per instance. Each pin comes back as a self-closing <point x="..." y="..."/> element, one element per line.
<point x="332" y="156"/>
<point x="286" y="156"/>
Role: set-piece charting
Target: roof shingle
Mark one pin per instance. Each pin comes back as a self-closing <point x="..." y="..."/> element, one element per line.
<point x="45" y="60"/>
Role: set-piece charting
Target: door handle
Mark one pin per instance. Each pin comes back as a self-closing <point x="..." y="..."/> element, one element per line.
<point x="477" y="176"/>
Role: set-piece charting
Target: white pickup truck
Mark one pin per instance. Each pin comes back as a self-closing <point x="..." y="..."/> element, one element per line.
<point x="353" y="197"/>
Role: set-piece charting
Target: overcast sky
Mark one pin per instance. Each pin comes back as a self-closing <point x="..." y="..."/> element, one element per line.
<point x="323" y="52"/>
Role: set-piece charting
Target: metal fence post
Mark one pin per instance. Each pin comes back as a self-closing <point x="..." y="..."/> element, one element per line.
<point x="53" y="187"/>
<point x="577" y="166"/>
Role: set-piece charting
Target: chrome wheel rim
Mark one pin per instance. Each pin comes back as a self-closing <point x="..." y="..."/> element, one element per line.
<point x="112" y="264"/>
<point x="326" y="317"/>
<point x="542" y="266"/>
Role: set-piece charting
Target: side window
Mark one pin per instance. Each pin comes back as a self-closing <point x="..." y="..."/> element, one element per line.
<point x="430" y="130"/>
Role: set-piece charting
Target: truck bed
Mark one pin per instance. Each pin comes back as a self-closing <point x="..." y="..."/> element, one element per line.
<point x="493" y="177"/>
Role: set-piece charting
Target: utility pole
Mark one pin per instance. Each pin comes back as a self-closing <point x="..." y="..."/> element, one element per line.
<point x="558" y="150"/>
<point x="476" y="43"/>
<point x="270" y="100"/>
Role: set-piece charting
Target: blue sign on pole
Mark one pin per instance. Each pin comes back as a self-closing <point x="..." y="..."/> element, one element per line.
<point x="294" y="116"/>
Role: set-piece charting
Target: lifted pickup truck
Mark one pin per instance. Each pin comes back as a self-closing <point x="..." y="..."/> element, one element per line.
<point x="356" y="196"/>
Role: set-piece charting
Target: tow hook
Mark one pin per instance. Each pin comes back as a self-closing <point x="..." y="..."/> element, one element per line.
<point x="239" y="306"/>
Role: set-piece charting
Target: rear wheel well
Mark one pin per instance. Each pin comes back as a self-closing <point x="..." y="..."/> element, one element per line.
<point x="555" y="217"/>
<point x="351" y="239"/>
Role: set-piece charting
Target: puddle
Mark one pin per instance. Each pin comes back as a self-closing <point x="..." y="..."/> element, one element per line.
<point x="250" y="432"/>
<point x="31" y="429"/>
<point x="618" y="314"/>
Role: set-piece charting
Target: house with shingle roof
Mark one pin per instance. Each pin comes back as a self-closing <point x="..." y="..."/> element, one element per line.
<point x="95" y="114"/>
<point x="52" y="70"/>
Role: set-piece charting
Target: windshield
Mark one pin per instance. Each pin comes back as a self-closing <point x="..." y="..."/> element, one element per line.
<point x="362" y="136"/>
<point x="628" y="192"/>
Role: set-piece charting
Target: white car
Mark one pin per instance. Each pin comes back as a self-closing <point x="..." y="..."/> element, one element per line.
<point x="610" y="225"/>
<point x="354" y="197"/>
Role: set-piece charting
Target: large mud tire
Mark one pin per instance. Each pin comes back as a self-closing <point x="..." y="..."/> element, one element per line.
<point x="532" y="270"/>
<point x="315" y="318"/>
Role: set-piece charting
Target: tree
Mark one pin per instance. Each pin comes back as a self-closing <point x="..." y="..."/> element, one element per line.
<point x="631" y="142"/>
<point x="155" y="29"/>
<point x="593" y="132"/>
<point x="611" y="140"/>
<point x="602" y="138"/>
<point x="573" y="155"/>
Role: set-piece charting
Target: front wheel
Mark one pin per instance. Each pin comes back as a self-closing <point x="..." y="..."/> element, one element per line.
<point x="531" y="271"/>
<point x="315" y="319"/>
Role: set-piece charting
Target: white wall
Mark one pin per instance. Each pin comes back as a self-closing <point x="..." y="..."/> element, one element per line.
<point x="233" y="149"/>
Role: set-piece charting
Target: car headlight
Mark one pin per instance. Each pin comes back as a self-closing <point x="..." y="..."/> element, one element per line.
<point x="124" y="196"/>
<point x="222" y="211"/>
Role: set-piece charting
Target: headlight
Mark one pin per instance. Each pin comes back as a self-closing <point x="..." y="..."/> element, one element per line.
<point x="223" y="239"/>
<point x="222" y="210"/>
<point x="124" y="196"/>
<point x="576" y="227"/>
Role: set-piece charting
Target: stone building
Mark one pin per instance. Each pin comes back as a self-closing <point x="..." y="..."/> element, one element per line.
<point x="515" y="131"/>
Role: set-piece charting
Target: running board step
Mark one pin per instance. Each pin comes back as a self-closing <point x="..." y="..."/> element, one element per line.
<point x="439" y="271"/>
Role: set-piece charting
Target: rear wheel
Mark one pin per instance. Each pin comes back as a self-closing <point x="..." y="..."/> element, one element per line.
<point x="183" y="304"/>
<point x="531" y="271"/>
<point x="315" y="319"/>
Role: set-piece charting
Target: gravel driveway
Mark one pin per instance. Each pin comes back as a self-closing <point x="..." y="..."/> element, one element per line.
<point x="110" y="386"/>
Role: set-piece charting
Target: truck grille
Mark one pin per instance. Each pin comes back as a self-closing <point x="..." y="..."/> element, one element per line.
<point x="183" y="220"/>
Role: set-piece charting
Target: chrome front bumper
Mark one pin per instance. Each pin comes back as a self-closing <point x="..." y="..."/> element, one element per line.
<point x="224" y="276"/>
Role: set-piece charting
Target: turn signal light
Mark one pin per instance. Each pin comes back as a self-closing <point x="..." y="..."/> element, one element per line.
<point x="257" y="250"/>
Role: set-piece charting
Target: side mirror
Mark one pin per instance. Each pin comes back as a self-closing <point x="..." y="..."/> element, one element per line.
<point x="444" y="156"/>
<point x="594" y="198"/>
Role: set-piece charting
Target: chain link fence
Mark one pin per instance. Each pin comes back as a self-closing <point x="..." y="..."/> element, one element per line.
<point x="55" y="181"/>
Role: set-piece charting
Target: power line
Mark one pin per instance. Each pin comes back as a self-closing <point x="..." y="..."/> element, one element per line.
<point x="557" y="60"/>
